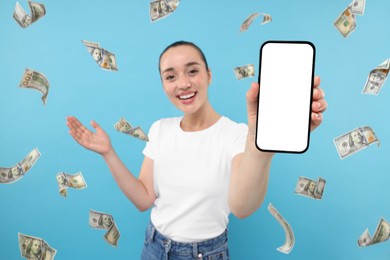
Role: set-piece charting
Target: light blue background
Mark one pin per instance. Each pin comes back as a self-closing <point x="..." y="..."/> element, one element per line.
<point x="357" y="190"/>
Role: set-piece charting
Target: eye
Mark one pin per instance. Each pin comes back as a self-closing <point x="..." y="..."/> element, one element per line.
<point x="169" y="77"/>
<point x="193" y="72"/>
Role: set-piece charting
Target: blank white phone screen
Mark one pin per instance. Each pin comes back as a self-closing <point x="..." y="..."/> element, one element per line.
<point x="284" y="107"/>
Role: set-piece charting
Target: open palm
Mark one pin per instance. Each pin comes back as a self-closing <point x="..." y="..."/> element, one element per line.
<point x="98" y="141"/>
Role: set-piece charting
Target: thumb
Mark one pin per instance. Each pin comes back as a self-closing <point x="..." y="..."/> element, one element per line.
<point x="95" y="125"/>
<point x="252" y="98"/>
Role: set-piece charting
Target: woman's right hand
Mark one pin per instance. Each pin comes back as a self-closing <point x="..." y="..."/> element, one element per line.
<point x="98" y="141"/>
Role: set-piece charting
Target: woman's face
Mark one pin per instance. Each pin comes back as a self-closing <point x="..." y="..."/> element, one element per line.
<point x="185" y="78"/>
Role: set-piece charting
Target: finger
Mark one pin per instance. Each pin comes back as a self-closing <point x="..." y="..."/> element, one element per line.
<point x="316" y="120"/>
<point x="253" y="92"/>
<point x="316" y="82"/>
<point x="95" y="125"/>
<point x="251" y="98"/>
<point x="319" y="106"/>
<point x="318" y="93"/>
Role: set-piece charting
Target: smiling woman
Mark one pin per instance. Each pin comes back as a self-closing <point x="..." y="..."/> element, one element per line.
<point x="197" y="169"/>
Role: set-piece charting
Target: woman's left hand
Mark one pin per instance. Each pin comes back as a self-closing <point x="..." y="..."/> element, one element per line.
<point x="318" y="106"/>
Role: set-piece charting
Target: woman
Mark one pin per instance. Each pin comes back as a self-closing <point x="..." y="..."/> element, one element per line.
<point x="197" y="168"/>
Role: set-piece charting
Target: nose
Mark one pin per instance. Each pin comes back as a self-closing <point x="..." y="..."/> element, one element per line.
<point x="184" y="82"/>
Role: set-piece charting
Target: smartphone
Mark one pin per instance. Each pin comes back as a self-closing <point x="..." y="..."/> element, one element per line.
<point x="286" y="75"/>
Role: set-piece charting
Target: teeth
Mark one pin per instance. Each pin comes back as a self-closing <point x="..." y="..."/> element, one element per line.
<point x="187" y="96"/>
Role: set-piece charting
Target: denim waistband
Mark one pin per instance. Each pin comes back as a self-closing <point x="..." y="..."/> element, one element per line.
<point x="195" y="249"/>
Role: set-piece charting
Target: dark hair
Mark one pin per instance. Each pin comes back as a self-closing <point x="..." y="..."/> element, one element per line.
<point x="183" y="43"/>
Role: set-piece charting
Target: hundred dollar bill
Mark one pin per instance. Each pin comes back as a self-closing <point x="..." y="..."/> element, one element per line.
<point x="377" y="78"/>
<point x="345" y="22"/>
<point x="13" y="174"/>
<point x="162" y="8"/>
<point x="248" y="21"/>
<point x="354" y="141"/>
<point x="358" y="6"/>
<point x="310" y="188"/>
<point x="105" y="59"/>
<point x="112" y="235"/>
<point x="290" y="239"/>
<point x="382" y="233"/>
<point x="35" y="80"/>
<point x="66" y="180"/>
<point x="23" y="19"/>
<point x="100" y="220"/>
<point x="35" y="248"/>
<point x="125" y="127"/>
<point x="244" y="71"/>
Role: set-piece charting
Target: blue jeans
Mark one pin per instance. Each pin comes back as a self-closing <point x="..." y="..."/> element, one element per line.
<point x="159" y="247"/>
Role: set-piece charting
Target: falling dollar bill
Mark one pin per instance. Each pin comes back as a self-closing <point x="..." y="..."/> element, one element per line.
<point x="382" y="233"/>
<point x="13" y="174"/>
<point x="244" y="71"/>
<point x="23" y="19"/>
<point x="248" y="21"/>
<point x="358" y="6"/>
<point x="105" y="59"/>
<point x="310" y="188"/>
<point x="290" y="239"/>
<point x="354" y="141"/>
<point x="35" y="80"/>
<point x="66" y="181"/>
<point x="35" y="248"/>
<point x="100" y="220"/>
<point x="346" y="21"/>
<point x="162" y="8"/>
<point x="123" y="126"/>
<point x="112" y="235"/>
<point x="377" y="78"/>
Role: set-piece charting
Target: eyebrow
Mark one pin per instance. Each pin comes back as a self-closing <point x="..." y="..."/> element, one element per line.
<point x="186" y="65"/>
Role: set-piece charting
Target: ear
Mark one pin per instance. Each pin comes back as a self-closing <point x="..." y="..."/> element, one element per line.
<point x="210" y="76"/>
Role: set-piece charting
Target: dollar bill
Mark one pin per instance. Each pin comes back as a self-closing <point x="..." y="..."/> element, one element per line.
<point x="290" y="239"/>
<point x="358" y="6"/>
<point x="355" y="140"/>
<point x="346" y="21"/>
<point x="382" y="233"/>
<point x="162" y="8"/>
<point x="244" y="71"/>
<point x="66" y="181"/>
<point x="35" y="80"/>
<point x="122" y="125"/>
<point x="15" y="173"/>
<point x="112" y="235"/>
<point x="35" y="248"/>
<point x="310" y="188"/>
<point x="100" y="220"/>
<point x="23" y="19"/>
<point x="248" y="21"/>
<point x="105" y="59"/>
<point x="377" y="78"/>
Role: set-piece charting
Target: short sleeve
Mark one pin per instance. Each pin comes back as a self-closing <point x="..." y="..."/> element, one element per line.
<point x="239" y="137"/>
<point x="150" y="146"/>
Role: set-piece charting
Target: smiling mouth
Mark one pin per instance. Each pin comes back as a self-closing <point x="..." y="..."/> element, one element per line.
<point x="188" y="96"/>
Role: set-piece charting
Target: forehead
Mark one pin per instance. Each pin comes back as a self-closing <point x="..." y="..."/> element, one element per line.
<point x="179" y="56"/>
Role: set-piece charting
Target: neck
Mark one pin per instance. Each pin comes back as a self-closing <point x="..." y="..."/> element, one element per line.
<point x="200" y="120"/>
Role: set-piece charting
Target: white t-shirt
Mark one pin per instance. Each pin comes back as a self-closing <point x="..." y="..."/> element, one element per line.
<point x="191" y="177"/>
